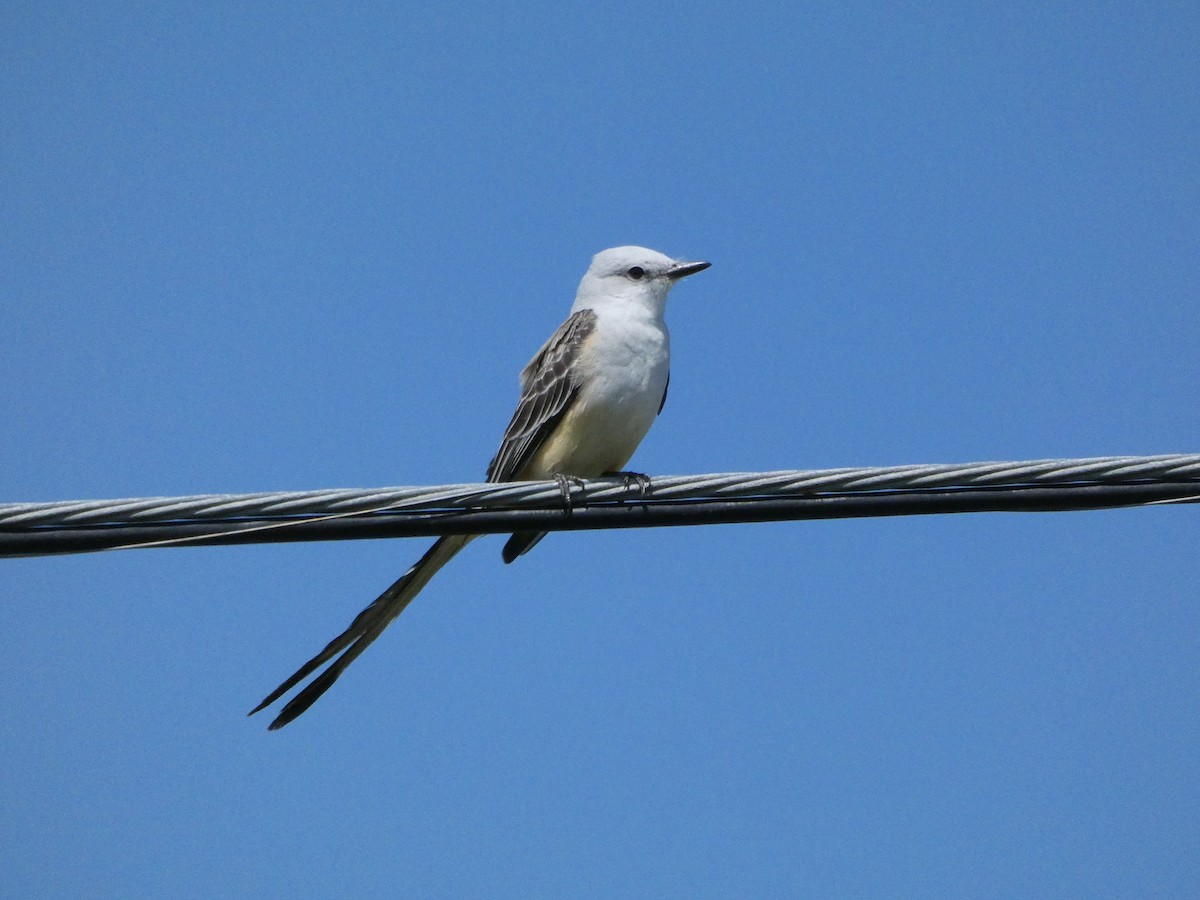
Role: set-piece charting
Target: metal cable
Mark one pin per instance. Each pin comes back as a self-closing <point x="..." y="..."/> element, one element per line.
<point x="76" y="526"/>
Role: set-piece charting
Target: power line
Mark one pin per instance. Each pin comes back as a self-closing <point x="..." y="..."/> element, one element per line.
<point x="32" y="529"/>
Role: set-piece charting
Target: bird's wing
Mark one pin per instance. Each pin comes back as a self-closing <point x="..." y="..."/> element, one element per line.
<point x="549" y="384"/>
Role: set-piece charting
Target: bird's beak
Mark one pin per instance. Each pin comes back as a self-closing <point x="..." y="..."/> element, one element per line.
<point x="683" y="269"/>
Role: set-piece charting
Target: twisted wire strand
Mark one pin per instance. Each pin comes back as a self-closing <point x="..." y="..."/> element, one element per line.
<point x="1173" y="468"/>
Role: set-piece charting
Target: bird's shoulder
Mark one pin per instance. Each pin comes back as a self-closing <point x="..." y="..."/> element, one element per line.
<point x="557" y="354"/>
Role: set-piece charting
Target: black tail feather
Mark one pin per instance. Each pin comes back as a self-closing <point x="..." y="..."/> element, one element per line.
<point x="366" y="627"/>
<point x="323" y="682"/>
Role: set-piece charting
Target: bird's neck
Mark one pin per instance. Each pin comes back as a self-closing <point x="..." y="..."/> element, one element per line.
<point x="638" y="309"/>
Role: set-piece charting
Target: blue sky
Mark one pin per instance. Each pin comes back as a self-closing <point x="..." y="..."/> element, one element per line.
<point x="305" y="247"/>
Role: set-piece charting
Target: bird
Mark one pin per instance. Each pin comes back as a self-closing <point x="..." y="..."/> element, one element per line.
<point x="588" y="397"/>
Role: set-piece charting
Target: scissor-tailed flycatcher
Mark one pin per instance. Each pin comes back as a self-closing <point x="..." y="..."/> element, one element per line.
<point x="587" y="399"/>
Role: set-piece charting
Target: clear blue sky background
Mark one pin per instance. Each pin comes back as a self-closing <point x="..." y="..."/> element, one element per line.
<point x="311" y="247"/>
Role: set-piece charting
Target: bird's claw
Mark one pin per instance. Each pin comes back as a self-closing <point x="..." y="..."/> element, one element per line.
<point x="631" y="478"/>
<point x="564" y="489"/>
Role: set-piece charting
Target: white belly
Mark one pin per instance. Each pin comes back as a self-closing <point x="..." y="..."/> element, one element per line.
<point x="625" y="372"/>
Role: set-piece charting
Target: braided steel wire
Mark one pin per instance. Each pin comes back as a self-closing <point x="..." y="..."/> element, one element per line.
<point x="543" y="495"/>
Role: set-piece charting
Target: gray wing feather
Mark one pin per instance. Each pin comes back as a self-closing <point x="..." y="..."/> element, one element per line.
<point x="548" y="386"/>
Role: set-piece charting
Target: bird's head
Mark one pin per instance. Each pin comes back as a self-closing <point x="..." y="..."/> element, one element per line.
<point x="632" y="276"/>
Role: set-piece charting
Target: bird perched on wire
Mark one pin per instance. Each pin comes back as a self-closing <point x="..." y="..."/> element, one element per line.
<point x="588" y="397"/>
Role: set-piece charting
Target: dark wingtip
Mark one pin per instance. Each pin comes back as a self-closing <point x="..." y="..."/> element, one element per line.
<point x="520" y="544"/>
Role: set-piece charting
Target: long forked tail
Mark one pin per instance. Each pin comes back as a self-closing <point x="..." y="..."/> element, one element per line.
<point x="367" y="626"/>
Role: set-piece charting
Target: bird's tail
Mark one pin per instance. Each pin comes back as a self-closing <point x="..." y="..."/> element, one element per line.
<point x="367" y="626"/>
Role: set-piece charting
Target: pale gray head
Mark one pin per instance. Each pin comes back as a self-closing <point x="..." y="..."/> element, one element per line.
<point x="632" y="276"/>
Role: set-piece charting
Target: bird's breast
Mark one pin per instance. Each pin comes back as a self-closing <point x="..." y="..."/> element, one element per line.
<point x="622" y="372"/>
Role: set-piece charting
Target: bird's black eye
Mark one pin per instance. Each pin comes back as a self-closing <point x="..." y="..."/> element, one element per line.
<point x="636" y="273"/>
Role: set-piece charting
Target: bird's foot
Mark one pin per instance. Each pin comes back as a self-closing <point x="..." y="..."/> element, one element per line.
<point x="564" y="489"/>
<point x="631" y="478"/>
